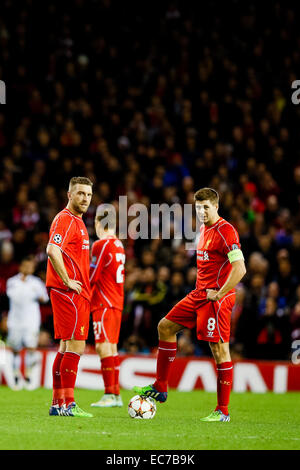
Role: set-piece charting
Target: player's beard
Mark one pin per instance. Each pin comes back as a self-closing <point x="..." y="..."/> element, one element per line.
<point x="79" y="208"/>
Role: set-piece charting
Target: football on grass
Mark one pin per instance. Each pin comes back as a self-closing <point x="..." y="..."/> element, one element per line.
<point x="141" y="407"/>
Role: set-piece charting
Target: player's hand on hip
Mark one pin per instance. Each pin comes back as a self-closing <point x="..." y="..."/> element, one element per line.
<point x="212" y="294"/>
<point x="74" y="285"/>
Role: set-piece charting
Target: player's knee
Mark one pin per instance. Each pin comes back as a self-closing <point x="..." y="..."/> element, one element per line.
<point x="220" y="352"/>
<point x="165" y="328"/>
<point x="218" y="356"/>
<point x="104" y="349"/>
<point x="161" y="327"/>
<point x="80" y="350"/>
<point x="75" y="346"/>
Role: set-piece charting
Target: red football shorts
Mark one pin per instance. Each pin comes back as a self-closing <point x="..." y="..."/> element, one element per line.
<point x="211" y="319"/>
<point x="107" y="324"/>
<point x="71" y="314"/>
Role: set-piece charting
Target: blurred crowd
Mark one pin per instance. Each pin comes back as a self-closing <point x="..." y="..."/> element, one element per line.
<point x="155" y="105"/>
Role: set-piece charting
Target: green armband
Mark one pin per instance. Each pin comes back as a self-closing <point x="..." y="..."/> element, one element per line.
<point x="235" y="255"/>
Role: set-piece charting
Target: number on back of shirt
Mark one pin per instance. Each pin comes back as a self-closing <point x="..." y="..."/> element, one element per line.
<point x="120" y="257"/>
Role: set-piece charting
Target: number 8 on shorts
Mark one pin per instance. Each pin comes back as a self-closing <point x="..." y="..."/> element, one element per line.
<point x="211" y="324"/>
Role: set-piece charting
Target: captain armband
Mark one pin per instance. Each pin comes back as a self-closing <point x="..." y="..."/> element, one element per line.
<point x="235" y="255"/>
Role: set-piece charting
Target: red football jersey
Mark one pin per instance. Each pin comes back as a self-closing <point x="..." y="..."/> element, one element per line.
<point x="213" y="265"/>
<point x="107" y="273"/>
<point x="69" y="233"/>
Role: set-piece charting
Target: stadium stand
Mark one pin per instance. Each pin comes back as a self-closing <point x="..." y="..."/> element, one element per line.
<point x="154" y="104"/>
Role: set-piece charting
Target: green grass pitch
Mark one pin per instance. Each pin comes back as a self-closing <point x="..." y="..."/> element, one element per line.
<point x="258" y="421"/>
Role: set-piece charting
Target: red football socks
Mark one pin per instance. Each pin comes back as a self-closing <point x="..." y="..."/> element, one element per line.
<point x="117" y="371"/>
<point x="165" y="357"/>
<point x="68" y="372"/>
<point x="108" y="373"/>
<point x="224" y="383"/>
<point x="57" y="395"/>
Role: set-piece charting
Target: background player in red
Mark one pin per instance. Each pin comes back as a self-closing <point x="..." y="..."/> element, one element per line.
<point x="220" y="267"/>
<point x="69" y="285"/>
<point x="107" y="283"/>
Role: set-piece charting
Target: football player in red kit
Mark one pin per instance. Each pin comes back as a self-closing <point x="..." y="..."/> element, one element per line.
<point x="107" y="283"/>
<point x="68" y="282"/>
<point x="220" y="267"/>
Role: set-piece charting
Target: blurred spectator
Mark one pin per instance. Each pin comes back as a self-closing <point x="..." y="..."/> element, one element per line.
<point x="273" y="333"/>
<point x="185" y="344"/>
<point x="133" y="345"/>
<point x="206" y="108"/>
<point x="148" y="305"/>
<point x="8" y="268"/>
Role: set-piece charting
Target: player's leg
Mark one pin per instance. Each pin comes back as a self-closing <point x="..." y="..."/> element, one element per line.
<point x="182" y="315"/>
<point x="222" y="357"/>
<point x="57" y="388"/>
<point x="61" y="308"/>
<point x="16" y="368"/>
<point x="30" y="363"/>
<point x="105" y="351"/>
<point x="14" y="341"/>
<point x="71" y="323"/>
<point x="167" y="347"/>
<point x="69" y="368"/>
<point x="221" y="354"/>
<point x="215" y="323"/>
<point x="114" y="334"/>
<point x="116" y="357"/>
<point x="30" y="340"/>
<point x="107" y="324"/>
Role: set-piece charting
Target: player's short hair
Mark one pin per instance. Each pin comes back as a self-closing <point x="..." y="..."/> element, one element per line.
<point x="79" y="180"/>
<point x="207" y="194"/>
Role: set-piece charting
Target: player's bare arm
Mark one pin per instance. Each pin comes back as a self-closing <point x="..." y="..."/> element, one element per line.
<point x="237" y="273"/>
<point x="57" y="262"/>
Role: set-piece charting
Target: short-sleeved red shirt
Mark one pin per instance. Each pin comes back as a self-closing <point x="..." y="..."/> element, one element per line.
<point x="213" y="265"/>
<point x="69" y="233"/>
<point x="107" y="273"/>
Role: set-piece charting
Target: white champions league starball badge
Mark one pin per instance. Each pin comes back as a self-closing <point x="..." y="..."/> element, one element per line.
<point x="57" y="238"/>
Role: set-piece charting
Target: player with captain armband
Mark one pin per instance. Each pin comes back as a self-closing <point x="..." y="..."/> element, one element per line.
<point x="220" y="267"/>
<point x="107" y="284"/>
